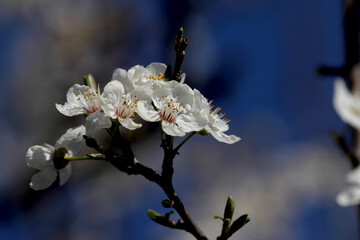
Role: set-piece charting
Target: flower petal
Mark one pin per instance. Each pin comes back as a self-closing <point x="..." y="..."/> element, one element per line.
<point x="123" y="76"/>
<point x="96" y="121"/>
<point x="346" y="104"/>
<point x="191" y="122"/>
<point x="182" y="80"/>
<point x="147" y="112"/>
<point x="113" y="90"/>
<point x="172" y="129"/>
<point x="354" y="176"/>
<point x="182" y="92"/>
<point x="74" y="104"/>
<point x="43" y="179"/>
<point x="39" y="157"/>
<point x="155" y="68"/>
<point x="72" y="140"/>
<point x="349" y="197"/>
<point x="222" y="137"/>
<point x="129" y="123"/>
<point x="65" y="173"/>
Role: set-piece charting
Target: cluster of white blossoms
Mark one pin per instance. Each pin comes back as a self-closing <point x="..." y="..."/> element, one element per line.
<point x="347" y="105"/>
<point x="143" y="92"/>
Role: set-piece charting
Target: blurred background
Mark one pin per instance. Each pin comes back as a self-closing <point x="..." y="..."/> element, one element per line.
<point x="257" y="59"/>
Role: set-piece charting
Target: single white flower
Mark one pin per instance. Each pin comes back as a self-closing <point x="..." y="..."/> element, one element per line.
<point x="173" y="102"/>
<point x="138" y="76"/>
<point x="217" y="124"/>
<point x="81" y="99"/>
<point x="122" y="106"/>
<point x="41" y="158"/>
<point x="351" y="195"/>
<point x="347" y="104"/>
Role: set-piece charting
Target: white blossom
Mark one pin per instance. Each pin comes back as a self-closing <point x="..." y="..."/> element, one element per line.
<point x="173" y="102"/>
<point x="347" y="104"/>
<point x="138" y="76"/>
<point x="41" y="158"/>
<point x="81" y="99"/>
<point x="351" y="195"/>
<point x="217" y="124"/>
<point x="117" y="104"/>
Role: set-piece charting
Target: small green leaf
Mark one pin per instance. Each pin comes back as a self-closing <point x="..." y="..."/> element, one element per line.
<point x="229" y="208"/>
<point x="239" y="223"/>
<point x="217" y="217"/>
<point x="89" y="81"/>
<point x="155" y="216"/>
<point x="179" y="37"/>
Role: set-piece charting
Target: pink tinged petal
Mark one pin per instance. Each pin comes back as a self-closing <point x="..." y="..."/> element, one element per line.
<point x="346" y="104"/>
<point x="113" y="90"/>
<point x="222" y="137"/>
<point x="72" y="140"/>
<point x="172" y="129"/>
<point x="97" y="121"/>
<point x="129" y="123"/>
<point x="65" y="173"/>
<point x="182" y="92"/>
<point x="349" y="197"/>
<point x="43" y="179"/>
<point x="147" y="112"/>
<point x="156" y="68"/>
<point x="39" y="157"/>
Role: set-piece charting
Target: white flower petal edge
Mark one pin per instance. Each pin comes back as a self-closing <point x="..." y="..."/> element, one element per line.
<point x="41" y="158"/>
<point x="96" y="121"/>
<point x="349" y="197"/>
<point x="72" y="140"/>
<point x="216" y="123"/>
<point x="80" y="99"/>
<point x="346" y="104"/>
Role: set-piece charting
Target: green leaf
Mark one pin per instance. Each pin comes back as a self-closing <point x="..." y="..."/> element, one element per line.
<point x="229" y="208"/>
<point x="217" y="217"/>
<point x="96" y="156"/>
<point x="89" y="81"/>
<point x="239" y="223"/>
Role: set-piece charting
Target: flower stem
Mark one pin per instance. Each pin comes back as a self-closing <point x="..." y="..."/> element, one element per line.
<point x="76" y="158"/>
<point x="112" y="134"/>
<point x="185" y="140"/>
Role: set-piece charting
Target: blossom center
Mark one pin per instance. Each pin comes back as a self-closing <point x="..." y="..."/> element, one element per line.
<point x="160" y="76"/>
<point x="90" y="99"/>
<point x="170" y="109"/>
<point x="216" y="114"/>
<point x="126" y="106"/>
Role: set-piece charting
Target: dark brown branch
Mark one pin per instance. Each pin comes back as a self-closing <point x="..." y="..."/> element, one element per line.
<point x="180" y="45"/>
<point x="340" y="140"/>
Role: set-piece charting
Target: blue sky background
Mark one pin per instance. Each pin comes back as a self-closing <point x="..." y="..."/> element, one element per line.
<point x="256" y="59"/>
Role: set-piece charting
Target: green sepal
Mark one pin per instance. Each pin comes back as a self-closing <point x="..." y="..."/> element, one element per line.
<point x="203" y="132"/>
<point x="167" y="203"/>
<point x="89" y="81"/>
<point x="59" y="158"/>
<point x="229" y="208"/>
<point x="239" y="223"/>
